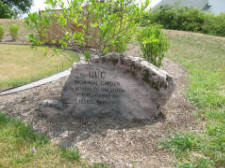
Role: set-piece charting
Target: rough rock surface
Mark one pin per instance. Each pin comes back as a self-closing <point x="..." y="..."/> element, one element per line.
<point x="117" y="86"/>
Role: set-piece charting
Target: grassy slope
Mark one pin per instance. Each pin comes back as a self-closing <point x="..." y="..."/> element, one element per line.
<point x="21" y="64"/>
<point x="20" y="147"/>
<point x="204" y="58"/>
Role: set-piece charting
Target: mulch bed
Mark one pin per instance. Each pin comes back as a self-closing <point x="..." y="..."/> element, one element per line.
<point x="121" y="144"/>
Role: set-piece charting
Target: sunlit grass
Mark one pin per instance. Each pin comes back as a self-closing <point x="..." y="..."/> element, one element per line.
<point x="204" y="58"/>
<point x="20" y="147"/>
<point x="21" y="64"/>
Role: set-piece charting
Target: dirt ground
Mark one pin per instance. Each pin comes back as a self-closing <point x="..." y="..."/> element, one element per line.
<point x="118" y="143"/>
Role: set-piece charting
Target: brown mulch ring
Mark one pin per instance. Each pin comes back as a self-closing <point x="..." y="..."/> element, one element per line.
<point x="120" y="144"/>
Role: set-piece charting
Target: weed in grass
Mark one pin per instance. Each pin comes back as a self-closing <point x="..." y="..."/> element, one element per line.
<point x="181" y="143"/>
<point x="214" y="143"/>
<point x="23" y="159"/>
<point x="3" y="119"/>
<point x="216" y="130"/>
<point x="94" y="165"/>
<point x="198" y="163"/>
<point x="99" y="165"/>
<point x="215" y="115"/>
<point x="70" y="154"/>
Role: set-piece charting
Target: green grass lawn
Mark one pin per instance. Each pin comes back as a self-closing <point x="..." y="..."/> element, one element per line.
<point x="20" y="147"/>
<point x="20" y="64"/>
<point x="204" y="58"/>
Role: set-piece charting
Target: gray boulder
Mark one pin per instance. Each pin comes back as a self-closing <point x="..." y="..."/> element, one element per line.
<point x="117" y="86"/>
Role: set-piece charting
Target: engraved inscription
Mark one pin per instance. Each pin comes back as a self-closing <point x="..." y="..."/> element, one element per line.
<point x="96" y="89"/>
<point x="97" y="74"/>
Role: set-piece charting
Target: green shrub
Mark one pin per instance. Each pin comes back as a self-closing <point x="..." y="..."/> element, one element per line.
<point x="214" y="25"/>
<point x="153" y="44"/>
<point x="13" y="29"/>
<point x="115" y="22"/>
<point x="180" y="18"/>
<point x="145" y="19"/>
<point x="165" y="16"/>
<point x="1" y="33"/>
<point x="219" y="26"/>
<point x="209" y="24"/>
<point x="187" y="19"/>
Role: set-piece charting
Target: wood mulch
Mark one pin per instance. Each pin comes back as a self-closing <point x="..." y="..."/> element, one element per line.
<point x="118" y="143"/>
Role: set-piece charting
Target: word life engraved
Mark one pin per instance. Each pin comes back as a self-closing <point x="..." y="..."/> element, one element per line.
<point x="96" y="89"/>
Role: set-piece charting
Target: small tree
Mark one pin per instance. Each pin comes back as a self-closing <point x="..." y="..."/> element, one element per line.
<point x="115" y="21"/>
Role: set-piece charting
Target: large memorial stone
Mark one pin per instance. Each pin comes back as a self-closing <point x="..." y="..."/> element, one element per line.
<point x="118" y="87"/>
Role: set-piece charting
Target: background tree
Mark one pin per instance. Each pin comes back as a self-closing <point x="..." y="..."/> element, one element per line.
<point x="5" y="11"/>
<point x="17" y="6"/>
